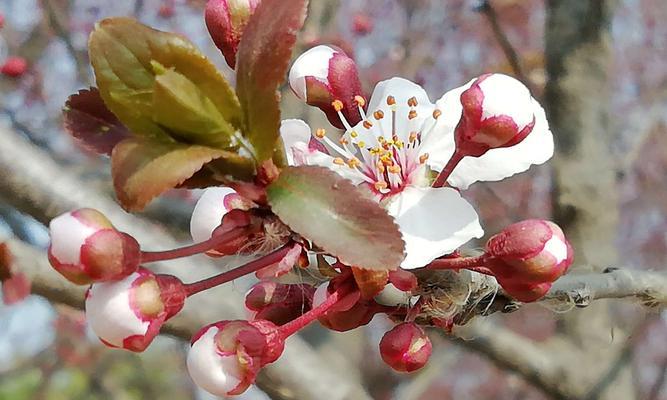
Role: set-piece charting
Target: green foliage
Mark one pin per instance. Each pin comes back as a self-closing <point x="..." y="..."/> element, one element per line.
<point x="337" y="216"/>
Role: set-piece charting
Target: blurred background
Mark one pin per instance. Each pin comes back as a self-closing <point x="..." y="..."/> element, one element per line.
<point x="598" y="66"/>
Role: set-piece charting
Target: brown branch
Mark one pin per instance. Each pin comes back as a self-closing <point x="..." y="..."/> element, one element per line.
<point x="33" y="183"/>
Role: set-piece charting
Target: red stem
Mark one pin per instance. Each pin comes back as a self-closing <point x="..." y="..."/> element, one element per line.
<point x="441" y="179"/>
<point x="471" y="263"/>
<point x="190" y="250"/>
<point x="255" y="265"/>
<point x="296" y="325"/>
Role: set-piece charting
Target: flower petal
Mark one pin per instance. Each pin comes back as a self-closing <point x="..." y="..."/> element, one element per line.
<point x="315" y="63"/>
<point x="294" y="132"/>
<point x="402" y="90"/>
<point x="434" y="222"/>
<point x="217" y="374"/>
<point x="496" y="164"/>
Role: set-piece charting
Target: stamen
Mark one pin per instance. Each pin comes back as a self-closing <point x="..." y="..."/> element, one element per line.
<point x="380" y="185"/>
<point x="338" y="161"/>
<point x="412" y="114"/>
<point x="412" y="137"/>
<point x="343" y="140"/>
<point x="379" y="114"/>
<point x="436" y="113"/>
<point x="394" y="169"/>
<point x="361" y="144"/>
<point x="354" y="134"/>
<point x="391" y="100"/>
<point x="359" y="101"/>
<point x="353" y="162"/>
<point x="337" y="105"/>
<point x="412" y="101"/>
<point x="320" y="133"/>
<point x="423" y="158"/>
<point x="368" y="124"/>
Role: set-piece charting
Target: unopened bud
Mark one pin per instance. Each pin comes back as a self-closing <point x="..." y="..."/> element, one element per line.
<point x="406" y="347"/>
<point x="226" y="20"/>
<point x="325" y="77"/>
<point x="129" y="313"/>
<point x="86" y="248"/>
<point x="14" y="67"/>
<point x="498" y="111"/>
<point x="277" y="302"/>
<point x="525" y="292"/>
<point x="225" y="357"/>
<point x="529" y="252"/>
<point x="212" y="206"/>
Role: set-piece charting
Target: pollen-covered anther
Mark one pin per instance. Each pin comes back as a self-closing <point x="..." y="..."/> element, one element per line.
<point x="338" y="161"/>
<point x="354" y="134"/>
<point x="359" y="100"/>
<point x="436" y="113"/>
<point x="320" y="133"/>
<point x="379" y="114"/>
<point x="337" y="105"/>
<point x="423" y="158"/>
<point x="412" y="114"/>
<point x="394" y="169"/>
<point x="361" y="144"/>
<point x="343" y="140"/>
<point x="380" y="185"/>
<point x="412" y="101"/>
<point x="412" y="137"/>
<point x="353" y="162"/>
<point x="391" y="100"/>
<point x="368" y="124"/>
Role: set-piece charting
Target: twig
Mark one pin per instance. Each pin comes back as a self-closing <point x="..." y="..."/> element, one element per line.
<point x="510" y="52"/>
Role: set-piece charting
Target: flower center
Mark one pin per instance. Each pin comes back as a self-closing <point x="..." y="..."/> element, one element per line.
<point x="388" y="156"/>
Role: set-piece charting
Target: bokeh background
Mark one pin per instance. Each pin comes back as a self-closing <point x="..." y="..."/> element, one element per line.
<point x="47" y="352"/>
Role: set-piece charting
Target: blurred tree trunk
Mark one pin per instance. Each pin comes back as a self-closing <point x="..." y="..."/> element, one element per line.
<point x="577" y="94"/>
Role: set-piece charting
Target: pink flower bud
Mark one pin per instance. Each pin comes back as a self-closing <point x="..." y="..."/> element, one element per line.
<point x="324" y="75"/>
<point x="14" y="67"/>
<point x="277" y="302"/>
<point x="211" y="207"/>
<point x="406" y="347"/>
<point x="525" y="292"/>
<point x="362" y="24"/>
<point x="226" y="20"/>
<point x="497" y="112"/>
<point x="529" y="252"/>
<point x="129" y="313"/>
<point x="86" y="248"/>
<point x="225" y="357"/>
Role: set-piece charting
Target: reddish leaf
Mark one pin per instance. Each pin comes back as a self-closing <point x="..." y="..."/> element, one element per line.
<point x="337" y="216"/>
<point x="262" y="62"/>
<point x="143" y="169"/>
<point x="90" y="122"/>
<point x="370" y="282"/>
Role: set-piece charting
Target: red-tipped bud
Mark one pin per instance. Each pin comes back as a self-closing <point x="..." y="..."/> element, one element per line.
<point x="226" y="20"/>
<point x="325" y="77"/>
<point x="362" y="24"/>
<point x="406" y="347"/>
<point x="14" y="67"/>
<point x="226" y="356"/>
<point x="531" y="251"/>
<point x="278" y="303"/>
<point x="129" y="313"/>
<point x="86" y="248"/>
<point x="498" y="111"/>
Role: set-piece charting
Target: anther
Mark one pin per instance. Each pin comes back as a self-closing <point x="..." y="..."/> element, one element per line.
<point x="360" y="101"/>
<point x="338" y="161"/>
<point x="368" y="124"/>
<point x="394" y="169"/>
<point x="337" y="105"/>
<point x="412" y="101"/>
<point x="378" y="114"/>
<point x="354" y="134"/>
<point x="423" y="158"/>
<point x="436" y="113"/>
<point x="412" y="137"/>
<point x="353" y="163"/>
<point x="320" y="133"/>
<point x="361" y="144"/>
<point x="391" y="100"/>
<point x="380" y="185"/>
<point x="342" y="140"/>
<point x="412" y="114"/>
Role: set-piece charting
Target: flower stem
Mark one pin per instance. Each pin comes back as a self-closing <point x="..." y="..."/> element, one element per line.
<point x="442" y="177"/>
<point x="470" y="263"/>
<point x="255" y="265"/>
<point x="297" y="324"/>
<point x="190" y="250"/>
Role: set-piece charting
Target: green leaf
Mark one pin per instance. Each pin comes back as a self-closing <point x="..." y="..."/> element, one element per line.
<point x="124" y="54"/>
<point x="262" y="62"/>
<point x="143" y="169"/>
<point x="337" y="216"/>
<point x="179" y="105"/>
<point x="90" y="122"/>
